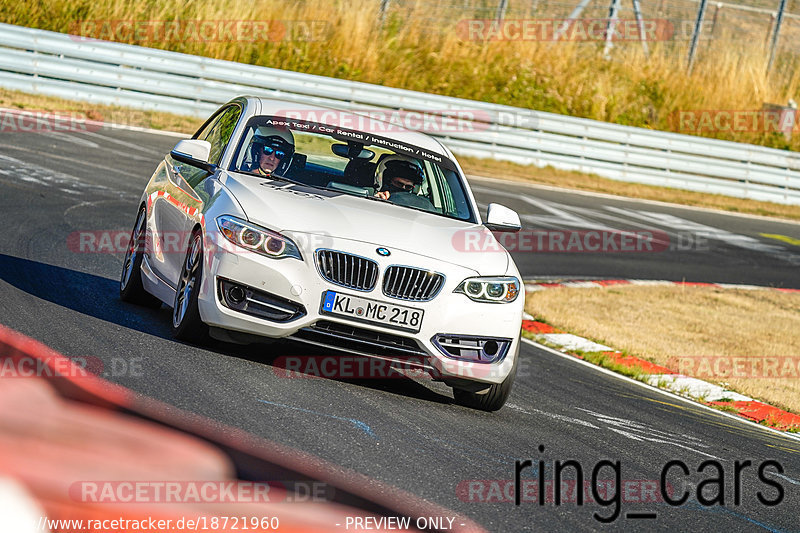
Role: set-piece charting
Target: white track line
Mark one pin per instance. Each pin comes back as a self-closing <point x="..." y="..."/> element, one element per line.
<point x="629" y="199"/>
<point x="99" y="123"/>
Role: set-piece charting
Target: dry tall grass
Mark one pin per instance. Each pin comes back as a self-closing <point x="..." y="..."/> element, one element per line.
<point x="663" y="324"/>
<point x="565" y="77"/>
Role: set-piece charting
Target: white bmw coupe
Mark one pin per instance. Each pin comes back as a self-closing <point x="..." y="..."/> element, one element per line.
<point x="282" y="220"/>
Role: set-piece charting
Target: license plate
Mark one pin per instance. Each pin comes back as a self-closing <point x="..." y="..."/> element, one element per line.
<point x="363" y="309"/>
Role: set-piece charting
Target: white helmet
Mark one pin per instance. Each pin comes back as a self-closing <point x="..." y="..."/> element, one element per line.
<point x="280" y="139"/>
<point x="269" y="131"/>
<point x="382" y="166"/>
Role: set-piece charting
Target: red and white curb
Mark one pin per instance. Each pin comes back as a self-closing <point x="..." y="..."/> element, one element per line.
<point x="533" y="286"/>
<point x="662" y="377"/>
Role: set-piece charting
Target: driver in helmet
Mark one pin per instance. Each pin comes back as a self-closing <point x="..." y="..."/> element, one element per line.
<point x="400" y="175"/>
<point x="270" y="151"/>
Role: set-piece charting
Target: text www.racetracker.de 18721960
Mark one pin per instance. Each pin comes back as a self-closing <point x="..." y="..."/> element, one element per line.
<point x="152" y="524"/>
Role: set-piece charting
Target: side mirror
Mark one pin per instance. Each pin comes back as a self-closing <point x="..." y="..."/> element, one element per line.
<point x="193" y="152"/>
<point x="501" y="218"/>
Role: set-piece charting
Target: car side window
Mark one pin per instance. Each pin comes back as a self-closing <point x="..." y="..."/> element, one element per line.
<point x="219" y="132"/>
<point x="205" y="130"/>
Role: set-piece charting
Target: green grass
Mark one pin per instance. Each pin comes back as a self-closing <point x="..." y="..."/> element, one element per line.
<point x="724" y="408"/>
<point x="596" y="358"/>
<point x="601" y="359"/>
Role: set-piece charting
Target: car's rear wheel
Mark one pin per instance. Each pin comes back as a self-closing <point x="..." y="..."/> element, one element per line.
<point x="186" y="322"/>
<point x="490" y="399"/>
<point x="130" y="282"/>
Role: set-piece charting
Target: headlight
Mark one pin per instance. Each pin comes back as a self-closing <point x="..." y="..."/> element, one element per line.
<point x="490" y="289"/>
<point x="258" y="239"/>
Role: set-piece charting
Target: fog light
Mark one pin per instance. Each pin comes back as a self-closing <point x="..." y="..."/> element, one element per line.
<point x="245" y="299"/>
<point x="474" y="349"/>
<point x="236" y="294"/>
<point x="490" y="348"/>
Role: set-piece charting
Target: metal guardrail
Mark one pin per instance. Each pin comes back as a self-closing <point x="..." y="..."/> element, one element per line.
<point x="73" y="67"/>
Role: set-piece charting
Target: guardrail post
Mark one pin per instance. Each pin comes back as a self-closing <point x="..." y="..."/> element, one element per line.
<point x="572" y="16"/>
<point x="613" y="10"/>
<point x="714" y="19"/>
<point x="637" y="11"/>
<point x="501" y="10"/>
<point x="747" y="179"/>
<point x="698" y="27"/>
<point x="778" y="21"/>
<point x="382" y="14"/>
<point x="769" y="28"/>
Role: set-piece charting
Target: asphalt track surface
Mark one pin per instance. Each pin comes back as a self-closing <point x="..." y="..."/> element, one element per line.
<point x="688" y="244"/>
<point x="401" y="431"/>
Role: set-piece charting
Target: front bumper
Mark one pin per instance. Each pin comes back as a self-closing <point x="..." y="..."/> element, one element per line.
<point x="299" y="282"/>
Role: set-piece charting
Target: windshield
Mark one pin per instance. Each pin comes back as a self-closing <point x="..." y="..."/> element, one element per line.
<point x="352" y="162"/>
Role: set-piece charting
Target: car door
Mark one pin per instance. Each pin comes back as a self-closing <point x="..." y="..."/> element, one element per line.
<point x="179" y="208"/>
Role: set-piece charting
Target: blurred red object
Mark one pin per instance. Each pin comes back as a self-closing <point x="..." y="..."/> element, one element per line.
<point x="85" y="449"/>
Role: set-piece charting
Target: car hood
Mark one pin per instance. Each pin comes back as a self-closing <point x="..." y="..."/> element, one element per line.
<point x="292" y="208"/>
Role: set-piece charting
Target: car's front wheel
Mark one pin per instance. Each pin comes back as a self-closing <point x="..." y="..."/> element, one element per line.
<point x="186" y="322"/>
<point x="130" y="282"/>
<point x="490" y="399"/>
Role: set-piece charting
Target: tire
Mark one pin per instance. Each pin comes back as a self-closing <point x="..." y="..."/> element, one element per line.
<point x="491" y="399"/>
<point x="186" y="322"/>
<point x="130" y="282"/>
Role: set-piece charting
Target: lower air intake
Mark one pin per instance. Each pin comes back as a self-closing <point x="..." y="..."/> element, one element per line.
<point x="258" y="303"/>
<point x="472" y="348"/>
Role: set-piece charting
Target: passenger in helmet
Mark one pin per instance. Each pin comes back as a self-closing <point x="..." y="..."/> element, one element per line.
<point x="270" y="151"/>
<point x="398" y="175"/>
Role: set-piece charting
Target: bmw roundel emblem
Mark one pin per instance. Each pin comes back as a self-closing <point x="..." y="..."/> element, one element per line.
<point x="384" y="252"/>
